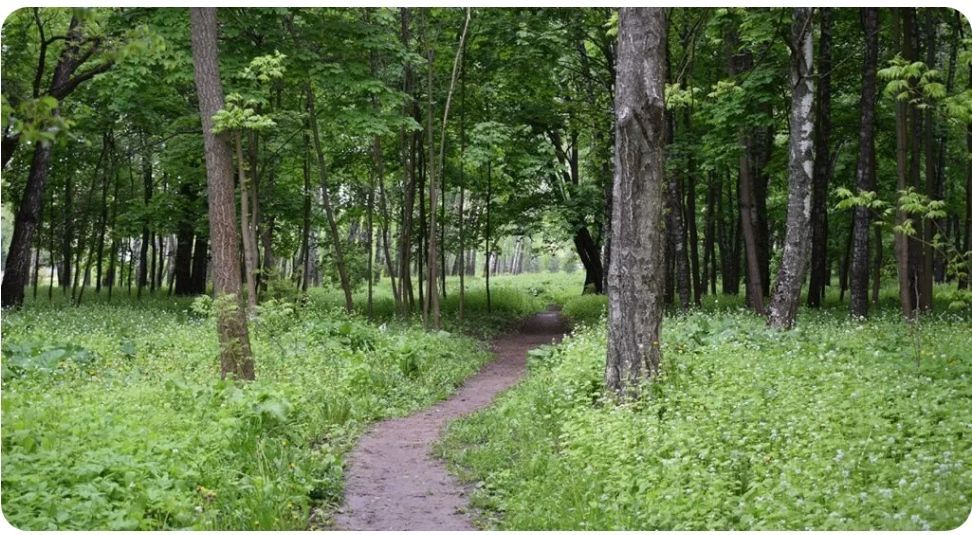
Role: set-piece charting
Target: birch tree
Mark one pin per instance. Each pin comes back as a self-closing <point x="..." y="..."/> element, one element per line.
<point x="796" y="247"/>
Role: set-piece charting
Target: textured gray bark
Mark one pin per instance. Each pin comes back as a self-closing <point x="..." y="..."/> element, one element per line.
<point x="865" y="165"/>
<point x="796" y="246"/>
<point x="635" y="283"/>
<point x="234" y="340"/>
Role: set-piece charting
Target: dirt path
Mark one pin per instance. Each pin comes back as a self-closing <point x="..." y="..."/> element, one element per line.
<point x="392" y="480"/>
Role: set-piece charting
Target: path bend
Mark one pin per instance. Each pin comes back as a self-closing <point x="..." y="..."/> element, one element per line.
<point x="392" y="481"/>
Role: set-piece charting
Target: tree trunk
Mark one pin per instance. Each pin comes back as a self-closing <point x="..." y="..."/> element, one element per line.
<point x="698" y="283"/>
<point x="796" y="248"/>
<point x="67" y="237"/>
<point x="160" y="272"/>
<point x="489" y="202"/>
<point x="231" y="323"/>
<point x="408" y="141"/>
<point x="878" y="261"/>
<point x="305" y="259"/>
<point x="109" y="172"/>
<point x="64" y="81"/>
<point x="147" y="183"/>
<point x="929" y="226"/>
<point x="866" y="165"/>
<point x="754" y="286"/>
<point x="246" y="227"/>
<point x="17" y="267"/>
<point x="901" y="241"/>
<point x="326" y="197"/>
<point x="199" y="265"/>
<point x="819" y="274"/>
<point x="635" y="284"/>
<point x="915" y="246"/>
<point x="708" y="247"/>
<point x="184" y="234"/>
<point x="675" y="227"/>
<point x="461" y="255"/>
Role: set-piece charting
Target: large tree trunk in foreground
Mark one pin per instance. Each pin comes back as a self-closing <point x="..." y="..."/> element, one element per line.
<point x="819" y="272"/>
<point x="796" y="246"/>
<point x="635" y="283"/>
<point x="865" y="166"/>
<point x="234" y="339"/>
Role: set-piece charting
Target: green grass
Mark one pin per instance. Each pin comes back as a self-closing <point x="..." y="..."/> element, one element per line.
<point x="511" y="297"/>
<point x="114" y="416"/>
<point x="834" y="425"/>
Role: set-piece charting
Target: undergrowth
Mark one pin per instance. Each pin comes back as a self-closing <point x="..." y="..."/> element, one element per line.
<point x="836" y="425"/>
<point x="114" y="416"/>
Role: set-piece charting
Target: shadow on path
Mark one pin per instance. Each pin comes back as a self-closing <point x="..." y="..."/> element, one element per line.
<point x="392" y="482"/>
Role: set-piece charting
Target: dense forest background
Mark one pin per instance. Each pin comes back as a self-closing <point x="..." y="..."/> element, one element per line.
<point x="346" y="139"/>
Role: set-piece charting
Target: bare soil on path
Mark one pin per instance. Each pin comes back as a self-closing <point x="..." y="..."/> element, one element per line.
<point x="393" y="482"/>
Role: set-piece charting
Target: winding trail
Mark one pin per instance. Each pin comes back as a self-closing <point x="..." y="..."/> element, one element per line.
<point x="394" y="483"/>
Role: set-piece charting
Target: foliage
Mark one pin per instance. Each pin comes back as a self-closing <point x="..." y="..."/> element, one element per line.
<point x="830" y="426"/>
<point x="113" y="416"/>
<point x="585" y="309"/>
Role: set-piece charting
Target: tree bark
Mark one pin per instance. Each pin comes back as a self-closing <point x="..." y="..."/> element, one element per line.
<point x="796" y="247"/>
<point x="866" y="165"/>
<point x="901" y="241"/>
<point x="231" y="324"/>
<point x="635" y="284"/>
<point x="915" y="116"/>
<point x="675" y="227"/>
<point x="199" y="265"/>
<point x="819" y="272"/>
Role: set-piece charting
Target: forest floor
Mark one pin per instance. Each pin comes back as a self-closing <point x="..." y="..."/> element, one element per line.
<point x="393" y="480"/>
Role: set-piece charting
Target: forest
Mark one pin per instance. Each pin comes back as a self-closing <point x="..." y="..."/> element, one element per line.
<point x="657" y="268"/>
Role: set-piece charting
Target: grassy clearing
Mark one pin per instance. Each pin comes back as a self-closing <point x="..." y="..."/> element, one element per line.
<point x="114" y="417"/>
<point x="834" y="425"/>
<point x="511" y="297"/>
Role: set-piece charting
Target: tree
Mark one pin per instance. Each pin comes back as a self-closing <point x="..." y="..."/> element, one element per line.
<point x="796" y="247"/>
<point x="865" y="166"/>
<point x="66" y="78"/>
<point x="231" y="324"/>
<point x="822" y="168"/>
<point x="635" y="281"/>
